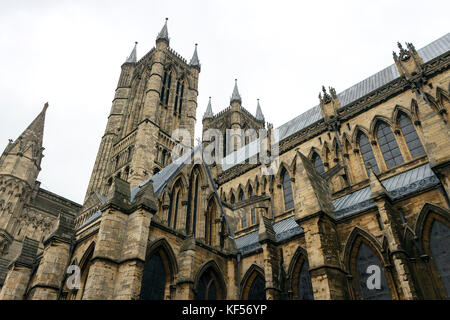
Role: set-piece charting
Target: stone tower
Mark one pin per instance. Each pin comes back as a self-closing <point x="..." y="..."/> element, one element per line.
<point x="154" y="97"/>
<point x="20" y="165"/>
<point x="237" y="120"/>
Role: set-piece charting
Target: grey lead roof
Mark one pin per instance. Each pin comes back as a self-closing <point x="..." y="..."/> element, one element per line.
<point x="429" y="52"/>
<point x="397" y="186"/>
<point x="284" y="229"/>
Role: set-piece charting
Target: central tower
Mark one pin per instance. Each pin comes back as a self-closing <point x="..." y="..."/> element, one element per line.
<point x="155" y="96"/>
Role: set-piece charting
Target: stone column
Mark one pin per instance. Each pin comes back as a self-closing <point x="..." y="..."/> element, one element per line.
<point x="271" y="258"/>
<point x="119" y="254"/>
<point x="55" y="259"/>
<point x="185" y="281"/>
<point x="18" y="277"/>
<point x="314" y="213"/>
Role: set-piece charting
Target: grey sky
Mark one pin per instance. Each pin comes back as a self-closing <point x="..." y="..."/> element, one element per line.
<point x="70" y="52"/>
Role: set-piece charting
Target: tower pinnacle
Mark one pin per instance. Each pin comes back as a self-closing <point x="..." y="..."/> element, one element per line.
<point x="194" y="61"/>
<point x="163" y="34"/>
<point x="208" y="112"/>
<point x="259" y="114"/>
<point x="132" y="58"/>
<point x="235" y="96"/>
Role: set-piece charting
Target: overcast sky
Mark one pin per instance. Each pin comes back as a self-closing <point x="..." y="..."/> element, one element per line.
<point x="70" y="52"/>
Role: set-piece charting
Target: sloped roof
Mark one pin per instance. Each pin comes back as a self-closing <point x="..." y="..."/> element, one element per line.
<point x="284" y="229"/>
<point x="359" y="90"/>
<point x="397" y="186"/>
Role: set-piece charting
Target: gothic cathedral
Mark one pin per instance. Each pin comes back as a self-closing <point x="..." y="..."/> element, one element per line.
<point x="360" y="188"/>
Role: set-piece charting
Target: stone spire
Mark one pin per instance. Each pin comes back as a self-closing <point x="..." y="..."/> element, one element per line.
<point x="208" y="113"/>
<point x="194" y="61"/>
<point x="163" y="34"/>
<point x="259" y="114"/>
<point x="133" y="57"/>
<point x="34" y="132"/>
<point x="236" y="96"/>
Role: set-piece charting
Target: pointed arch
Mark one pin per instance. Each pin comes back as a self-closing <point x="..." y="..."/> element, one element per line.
<point x="405" y="126"/>
<point x="299" y="277"/>
<point x="347" y="145"/>
<point x="209" y="283"/>
<point x="176" y="199"/>
<point x="287" y="189"/>
<point x="361" y="251"/>
<point x="164" y="245"/>
<point x="84" y="265"/>
<point x="210" y="217"/>
<point x="159" y="271"/>
<point x="357" y="131"/>
<point x="366" y="151"/>
<point x="196" y="180"/>
<point x="249" y="189"/>
<point x="443" y="98"/>
<point x="253" y="284"/>
<point x="433" y="229"/>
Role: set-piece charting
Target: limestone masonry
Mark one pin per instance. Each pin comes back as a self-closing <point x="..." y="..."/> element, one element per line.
<point x="359" y="197"/>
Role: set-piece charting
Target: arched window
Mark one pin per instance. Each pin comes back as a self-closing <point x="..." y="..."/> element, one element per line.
<point x="388" y="146"/>
<point x="367" y="152"/>
<point x="194" y="197"/>
<point x="153" y="279"/>
<point x="241" y="195"/>
<point x="209" y="223"/>
<point x="409" y="133"/>
<point x="163" y="157"/>
<point x="287" y="191"/>
<point x="439" y="246"/>
<point x="175" y="204"/>
<point x="301" y="280"/>
<point x="305" y="290"/>
<point x="257" y="289"/>
<point x="366" y="258"/>
<point x="318" y="165"/>
<point x="208" y="287"/>
<point x="232" y="199"/>
<point x="178" y="97"/>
